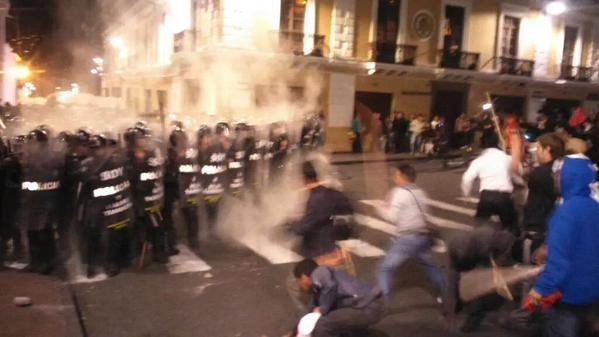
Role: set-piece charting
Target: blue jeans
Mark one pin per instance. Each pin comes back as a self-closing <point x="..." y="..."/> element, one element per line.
<point x="562" y="322"/>
<point x="407" y="246"/>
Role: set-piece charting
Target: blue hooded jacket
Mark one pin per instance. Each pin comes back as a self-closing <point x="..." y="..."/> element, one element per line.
<point x="573" y="241"/>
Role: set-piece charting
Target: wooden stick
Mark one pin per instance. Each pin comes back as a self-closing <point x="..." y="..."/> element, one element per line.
<point x="496" y="121"/>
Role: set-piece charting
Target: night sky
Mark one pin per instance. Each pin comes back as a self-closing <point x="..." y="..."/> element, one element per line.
<point x="57" y="36"/>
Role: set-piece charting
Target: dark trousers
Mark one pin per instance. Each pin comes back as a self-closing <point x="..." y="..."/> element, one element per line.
<point x="169" y="225"/>
<point x="110" y="247"/>
<point x="190" y="215"/>
<point x="149" y="227"/>
<point x="41" y="249"/>
<point x="357" y="144"/>
<point x="500" y="204"/>
<point x="565" y="320"/>
<point x="475" y="310"/>
<point x="212" y="215"/>
<point x="349" y="320"/>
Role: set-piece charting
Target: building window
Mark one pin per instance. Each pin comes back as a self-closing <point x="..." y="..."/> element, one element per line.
<point x="293" y="13"/>
<point x="570" y="37"/>
<point x="387" y="29"/>
<point x="453" y="30"/>
<point x="509" y="38"/>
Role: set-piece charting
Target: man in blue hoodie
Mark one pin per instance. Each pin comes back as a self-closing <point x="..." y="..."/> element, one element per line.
<point x="572" y="267"/>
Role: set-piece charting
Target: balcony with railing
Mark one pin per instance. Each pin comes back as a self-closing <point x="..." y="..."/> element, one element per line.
<point x="515" y="66"/>
<point x="296" y="43"/>
<point x="455" y="59"/>
<point x="574" y="73"/>
<point x="393" y="53"/>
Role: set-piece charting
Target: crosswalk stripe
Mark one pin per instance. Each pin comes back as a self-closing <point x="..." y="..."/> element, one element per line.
<point x="361" y="248"/>
<point x="449" y="207"/>
<point x="271" y="251"/>
<point x="186" y="262"/>
<point x="375" y="223"/>
<point x="471" y="200"/>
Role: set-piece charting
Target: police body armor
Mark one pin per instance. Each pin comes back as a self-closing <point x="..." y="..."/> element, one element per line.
<point x="213" y="171"/>
<point x="41" y="181"/>
<point x="147" y="179"/>
<point x="253" y="159"/>
<point x="190" y="187"/>
<point x="107" y="199"/>
<point x="236" y="161"/>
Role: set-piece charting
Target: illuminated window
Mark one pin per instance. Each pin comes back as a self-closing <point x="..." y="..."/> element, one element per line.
<point x="509" y="38"/>
<point x="570" y="37"/>
<point x="293" y="13"/>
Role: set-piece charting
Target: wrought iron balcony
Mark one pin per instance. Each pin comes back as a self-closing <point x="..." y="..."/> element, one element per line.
<point x="294" y="42"/>
<point x="393" y="53"/>
<point x="514" y="66"/>
<point x="458" y="59"/>
<point x="572" y="73"/>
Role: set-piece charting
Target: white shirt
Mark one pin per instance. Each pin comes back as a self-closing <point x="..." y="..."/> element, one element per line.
<point x="416" y="126"/>
<point x="407" y="209"/>
<point x="493" y="167"/>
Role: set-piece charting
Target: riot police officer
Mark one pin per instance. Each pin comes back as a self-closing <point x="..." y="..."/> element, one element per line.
<point x="40" y="187"/>
<point x="177" y="147"/>
<point x="213" y="169"/>
<point x="146" y="168"/>
<point x="184" y="159"/>
<point x="279" y="150"/>
<point x="107" y="206"/>
<point x="10" y="187"/>
<point x="236" y="160"/>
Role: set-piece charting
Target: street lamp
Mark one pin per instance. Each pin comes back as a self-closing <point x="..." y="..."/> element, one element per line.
<point x="116" y="42"/>
<point x="98" y="60"/>
<point x="22" y="72"/>
<point x="487" y="106"/>
<point x="556" y="8"/>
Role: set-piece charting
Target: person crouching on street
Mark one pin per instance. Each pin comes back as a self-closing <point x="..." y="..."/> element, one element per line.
<point x="347" y="305"/>
<point x="408" y="211"/>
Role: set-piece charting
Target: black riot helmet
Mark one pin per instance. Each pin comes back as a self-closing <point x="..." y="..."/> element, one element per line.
<point x="97" y="142"/>
<point x="132" y="135"/>
<point x="222" y="129"/>
<point x="110" y="139"/>
<point x="46" y="128"/>
<point x="142" y="125"/>
<point x="178" y="137"/>
<point x="17" y="143"/>
<point x="82" y="136"/>
<point x="65" y="137"/>
<point x="38" y="135"/>
<point x="240" y="127"/>
<point x="204" y="131"/>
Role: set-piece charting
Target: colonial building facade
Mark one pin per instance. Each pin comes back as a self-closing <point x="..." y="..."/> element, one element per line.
<point x="226" y="58"/>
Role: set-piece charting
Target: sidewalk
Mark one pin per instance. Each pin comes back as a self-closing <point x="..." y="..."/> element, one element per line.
<point x="52" y="313"/>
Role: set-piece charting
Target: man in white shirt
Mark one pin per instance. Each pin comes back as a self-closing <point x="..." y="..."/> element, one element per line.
<point x="407" y="210"/>
<point x="493" y="168"/>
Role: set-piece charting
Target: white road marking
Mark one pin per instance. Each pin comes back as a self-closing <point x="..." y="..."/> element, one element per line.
<point x="361" y="248"/>
<point x="450" y="207"/>
<point x="273" y="252"/>
<point x="375" y="223"/>
<point x="391" y="229"/>
<point x="186" y="262"/>
<point x="471" y="200"/>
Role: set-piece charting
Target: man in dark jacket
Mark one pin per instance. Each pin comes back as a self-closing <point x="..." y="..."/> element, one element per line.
<point x="466" y="252"/>
<point x="573" y="253"/>
<point x="317" y="225"/>
<point x="542" y="192"/>
<point x="346" y="304"/>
